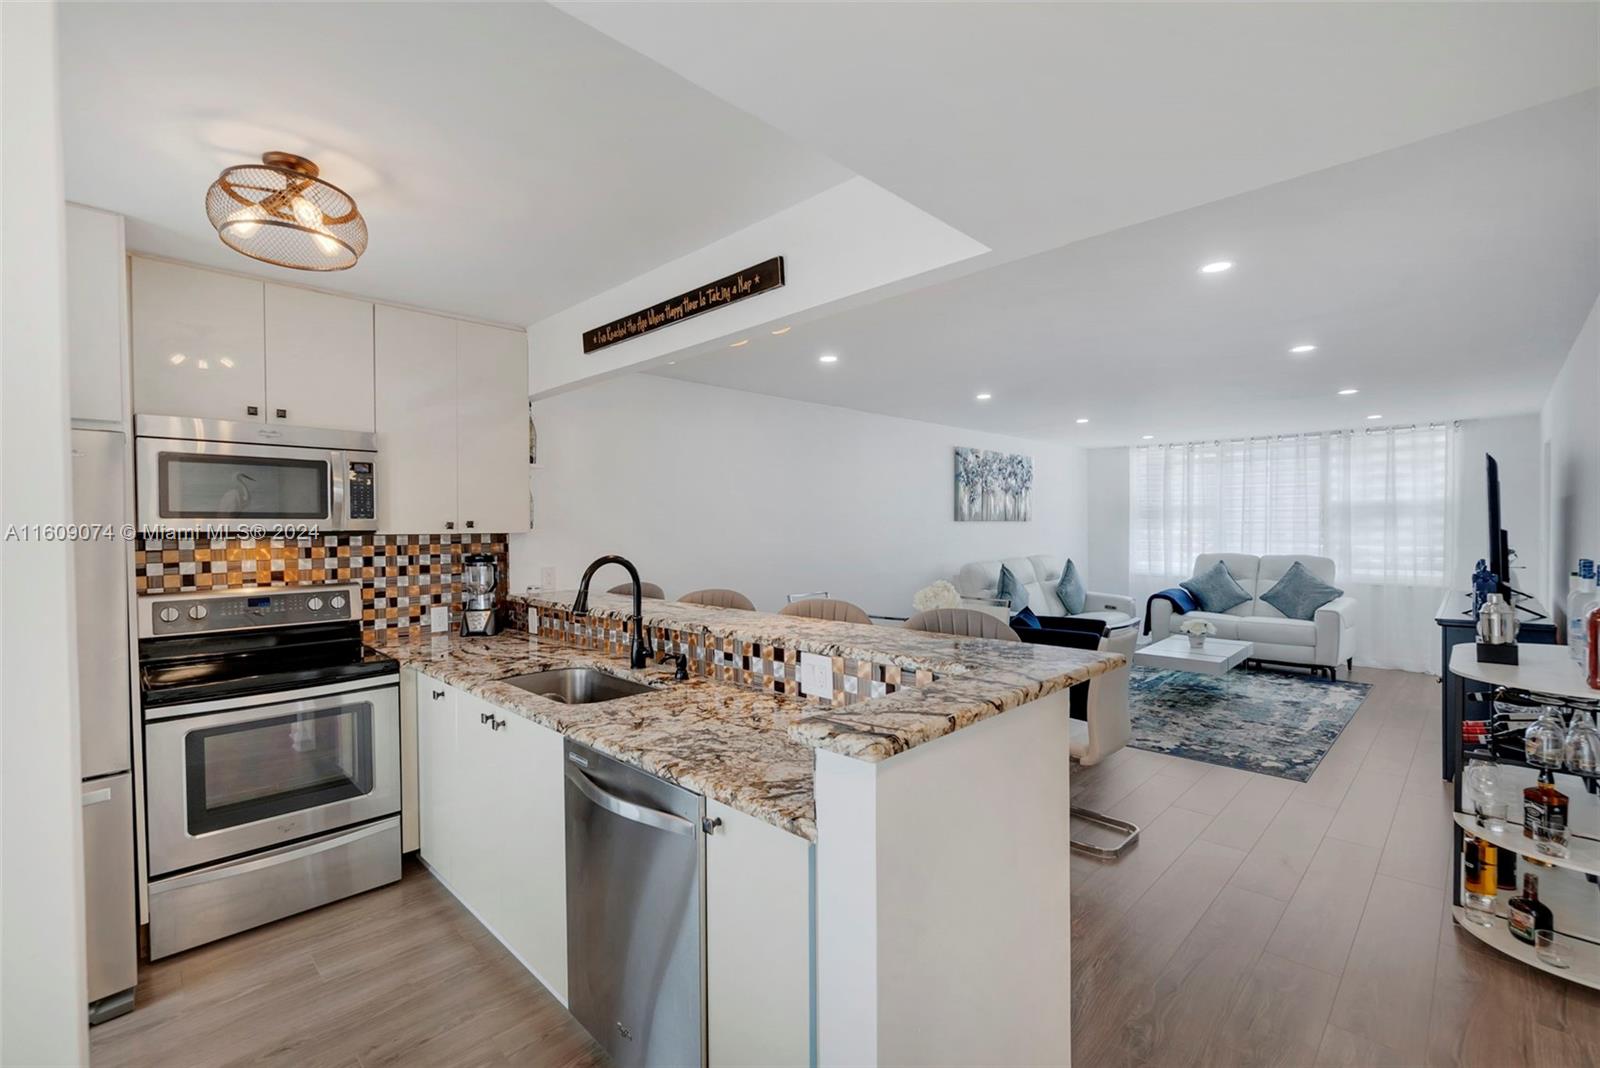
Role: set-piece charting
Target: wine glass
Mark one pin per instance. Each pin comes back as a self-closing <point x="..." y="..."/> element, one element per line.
<point x="1545" y="738"/>
<point x="1482" y="780"/>
<point x="1581" y="750"/>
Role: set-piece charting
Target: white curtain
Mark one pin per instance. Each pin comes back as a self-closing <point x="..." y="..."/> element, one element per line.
<point x="1378" y="502"/>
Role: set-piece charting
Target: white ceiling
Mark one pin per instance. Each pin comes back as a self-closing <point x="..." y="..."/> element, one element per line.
<point x="1445" y="279"/>
<point x="509" y="160"/>
<point x="1030" y="125"/>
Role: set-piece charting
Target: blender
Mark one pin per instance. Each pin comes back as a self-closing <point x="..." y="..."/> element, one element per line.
<point x="479" y="578"/>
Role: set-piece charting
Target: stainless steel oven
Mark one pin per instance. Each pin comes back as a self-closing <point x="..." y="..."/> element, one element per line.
<point x="272" y="758"/>
<point x="213" y="473"/>
<point x="236" y="775"/>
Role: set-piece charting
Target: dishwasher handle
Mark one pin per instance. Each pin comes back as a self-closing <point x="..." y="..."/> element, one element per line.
<point x="650" y="817"/>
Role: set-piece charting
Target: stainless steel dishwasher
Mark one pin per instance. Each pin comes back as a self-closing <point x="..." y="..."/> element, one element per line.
<point x="636" y="948"/>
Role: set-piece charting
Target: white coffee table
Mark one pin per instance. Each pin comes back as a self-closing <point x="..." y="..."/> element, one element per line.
<point x="1217" y="657"/>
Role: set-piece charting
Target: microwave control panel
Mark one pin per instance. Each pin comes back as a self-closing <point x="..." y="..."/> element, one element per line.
<point x="360" y="496"/>
<point x="206" y="613"/>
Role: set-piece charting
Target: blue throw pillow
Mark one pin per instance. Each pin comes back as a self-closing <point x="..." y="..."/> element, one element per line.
<point x="1215" y="589"/>
<point x="1025" y="618"/>
<point x="1071" y="590"/>
<point x="1011" y="591"/>
<point x="1299" y="593"/>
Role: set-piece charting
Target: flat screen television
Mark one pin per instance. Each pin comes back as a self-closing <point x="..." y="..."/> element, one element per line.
<point x="1499" y="555"/>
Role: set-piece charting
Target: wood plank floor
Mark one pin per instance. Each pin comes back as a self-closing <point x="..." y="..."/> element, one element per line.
<point x="1264" y="922"/>
<point x="402" y="975"/>
<point x="1258" y="921"/>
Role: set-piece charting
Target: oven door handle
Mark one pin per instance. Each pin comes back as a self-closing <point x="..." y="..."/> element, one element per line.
<point x="251" y="705"/>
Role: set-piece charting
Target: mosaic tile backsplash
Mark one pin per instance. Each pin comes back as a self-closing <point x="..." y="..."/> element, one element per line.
<point x="743" y="663"/>
<point x="401" y="575"/>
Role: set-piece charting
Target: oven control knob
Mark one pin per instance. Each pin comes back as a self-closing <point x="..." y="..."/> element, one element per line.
<point x="315" y="604"/>
<point x="169" y="615"/>
<point x="338" y="602"/>
<point x="197" y="612"/>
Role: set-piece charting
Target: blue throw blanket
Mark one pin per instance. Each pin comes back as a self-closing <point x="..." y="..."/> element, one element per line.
<point x="1182" y="601"/>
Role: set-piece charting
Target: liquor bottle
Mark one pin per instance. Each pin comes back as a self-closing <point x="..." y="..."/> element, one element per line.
<point x="1544" y="815"/>
<point x="1528" y="913"/>
<point x="1578" y="603"/>
<point x="1481" y="880"/>
<point x="1594" y="647"/>
<point x="1506" y="880"/>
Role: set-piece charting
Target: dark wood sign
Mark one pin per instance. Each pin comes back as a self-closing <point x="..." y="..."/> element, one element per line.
<point x="722" y="292"/>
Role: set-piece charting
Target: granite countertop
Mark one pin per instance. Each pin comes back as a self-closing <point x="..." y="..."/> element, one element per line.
<point x="747" y="748"/>
<point x="727" y="742"/>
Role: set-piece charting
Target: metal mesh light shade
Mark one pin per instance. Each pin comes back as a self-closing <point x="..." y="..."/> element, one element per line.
<point x="278" y="211"/>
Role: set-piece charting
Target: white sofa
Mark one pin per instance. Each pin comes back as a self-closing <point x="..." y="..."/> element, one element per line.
<point x="1038" y="575"/>
<point x="1322" y="643"/>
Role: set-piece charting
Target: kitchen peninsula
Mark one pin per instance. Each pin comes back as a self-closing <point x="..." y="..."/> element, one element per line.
<point x="859" y="774"/>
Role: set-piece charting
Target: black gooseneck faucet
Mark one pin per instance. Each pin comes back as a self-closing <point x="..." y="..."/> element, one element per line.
<point x="639" y="656"/>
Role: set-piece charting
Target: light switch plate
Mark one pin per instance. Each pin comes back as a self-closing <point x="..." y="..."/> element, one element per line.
<point x="816" y="675"/>
<point x="439" y="617"/>
<point x="547" y="578"/>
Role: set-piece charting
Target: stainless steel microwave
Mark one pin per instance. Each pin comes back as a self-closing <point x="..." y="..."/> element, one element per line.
<point x="213" y="474"/>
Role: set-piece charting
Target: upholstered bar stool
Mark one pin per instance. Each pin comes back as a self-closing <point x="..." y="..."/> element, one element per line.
<point x="716" y="598"/>
<point x="826" y="608"/>
<point x="646" y="589"/>
<point x="962" y="623"/>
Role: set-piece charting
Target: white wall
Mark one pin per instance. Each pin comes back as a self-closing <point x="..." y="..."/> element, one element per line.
<point x="1570" y="428"/>
<point x="701" y="486"/>
<point x="43" y="995"/>
<point x="1513" y="441"/>
<point x="1107" y="519"/>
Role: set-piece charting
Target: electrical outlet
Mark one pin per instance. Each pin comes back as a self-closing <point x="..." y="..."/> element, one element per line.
<point x="439" y="618"/>
<point x="547" y="578"/>
<point x="816" y="675"/>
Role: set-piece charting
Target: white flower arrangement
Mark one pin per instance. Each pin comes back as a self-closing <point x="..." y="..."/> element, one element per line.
<point x="1202" y="627"/>
<point x="940" y="595"/>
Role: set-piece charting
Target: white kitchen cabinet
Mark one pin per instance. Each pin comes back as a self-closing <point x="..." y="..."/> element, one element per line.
<point x="416" y="421"/>
<point x="198" y="342"/>
<point x="318" y="359"/>
<point x="758" y="942"/>
<point x="491" y="427"/>
<point x="452" y="424"/>
<point x="493" y="821"/>
<point x="97" y="314"/>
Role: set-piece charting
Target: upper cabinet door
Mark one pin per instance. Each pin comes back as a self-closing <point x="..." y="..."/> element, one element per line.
<point x="197" y="343"/>
<point x="319" y="359"/>
<point x="416" y="421"/>
<point x="492" y="422"/>
<point x="97" y="331"/>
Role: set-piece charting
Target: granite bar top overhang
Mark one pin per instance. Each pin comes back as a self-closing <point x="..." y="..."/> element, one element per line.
<point x="974" y="678"/>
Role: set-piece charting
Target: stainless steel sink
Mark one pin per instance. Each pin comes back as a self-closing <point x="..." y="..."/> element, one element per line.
<point x="577" y="685"/>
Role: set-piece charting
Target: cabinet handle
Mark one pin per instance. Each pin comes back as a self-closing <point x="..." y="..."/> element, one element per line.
<point x="438" y="694"/>
<point x="496" y="724"/>
<point x="283" y="413"/>
<point x="485" y="717"/>
<point x="449" y="524"/>
<point x="252" y="409"/>
<point x="470" y="524"/>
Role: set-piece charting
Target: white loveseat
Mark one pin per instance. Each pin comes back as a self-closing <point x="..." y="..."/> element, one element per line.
<point x="1322" y="643"/>
<point x="1038" y="575"/>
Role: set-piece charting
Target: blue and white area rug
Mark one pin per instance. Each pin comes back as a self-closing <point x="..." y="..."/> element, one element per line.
<point x="1272" y="722"/>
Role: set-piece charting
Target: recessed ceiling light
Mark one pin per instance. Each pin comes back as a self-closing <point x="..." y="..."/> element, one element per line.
<point x="202" y="365"/>
<point x="828" y="358"/>
<point x="740" y="343"/>
<point x="1147" y="437"/>
<point x="672" y="363"/>
<point x="1303" y="348"/>
<point x="1218" y="267"/>
<point x="177" y="357"/>
<point x="1374" y="417"/>
<point x="783" y="330"/>
<point x="1083" y="420"/>
<point x="1348" y="392"/>
<point x="985" y="396"/>
<point x="226" y="361"/>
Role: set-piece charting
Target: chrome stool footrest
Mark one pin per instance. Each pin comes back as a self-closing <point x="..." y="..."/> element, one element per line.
<point x="1129" y="832"/>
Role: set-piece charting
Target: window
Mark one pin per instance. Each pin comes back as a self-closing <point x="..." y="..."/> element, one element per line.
<point x="1377" y="502"/>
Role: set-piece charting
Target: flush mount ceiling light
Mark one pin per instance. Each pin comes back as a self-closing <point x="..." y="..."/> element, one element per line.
<point x="782" y="330"/>
<point x="1217" y="267"/>
<point x="278" y="211"/>
<point x="828" y="358"/>
<point x="1300" y="350"/>
<point x="1374" y="417"/>
<point x="1147" y="437"/>
<point x="1348" y="392"/>
<point x="1083" y="420"/>
<point x="985" y="396"/>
